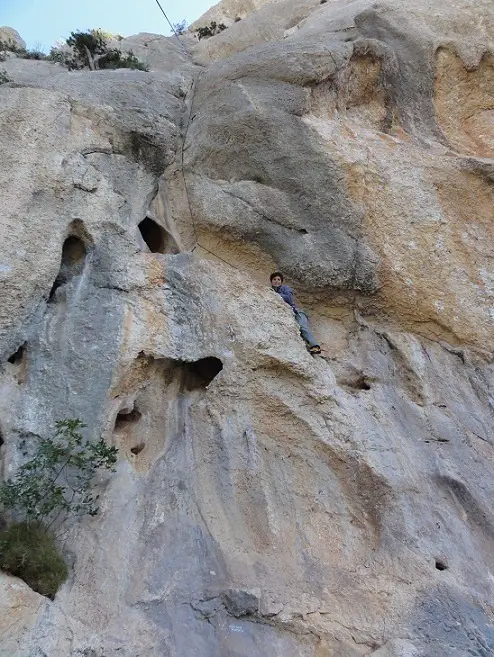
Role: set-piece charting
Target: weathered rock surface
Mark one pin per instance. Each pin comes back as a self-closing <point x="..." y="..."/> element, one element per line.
<point x="265" y="502"/>
<point x="227" y="11"/>
<point x="11" y="37"/>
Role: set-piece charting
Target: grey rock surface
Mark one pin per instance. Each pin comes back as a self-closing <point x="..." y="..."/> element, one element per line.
<point x="265" y="502"/>
<point x="10" y="36"/>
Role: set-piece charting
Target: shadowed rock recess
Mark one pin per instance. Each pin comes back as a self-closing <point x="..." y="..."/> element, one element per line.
<point x="265" y="503"/>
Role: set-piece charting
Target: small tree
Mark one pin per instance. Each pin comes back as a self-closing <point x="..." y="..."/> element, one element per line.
<point x="88" y="46"/>
<point x="180" y="28"/>
<point x="58" y="479"/>
<point x="91" y="49"/>
<point x="114" y="59"/>
<point x="210" y="30"/>
<point x="65" y="58"/>
<point x="54" y="485"/>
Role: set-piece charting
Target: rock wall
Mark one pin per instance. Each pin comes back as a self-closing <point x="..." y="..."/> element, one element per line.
<point x="265" y="502"/>
<point x="11" y="37"/>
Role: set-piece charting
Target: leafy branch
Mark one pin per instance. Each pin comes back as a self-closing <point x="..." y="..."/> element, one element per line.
<point x="58" y="479"/>
<point x="210" y="30"/>
<point x="92" y="49"/>
<point x="56" y="482"/>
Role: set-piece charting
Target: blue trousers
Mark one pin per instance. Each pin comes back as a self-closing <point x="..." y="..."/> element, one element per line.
<point x="305" y="332"/>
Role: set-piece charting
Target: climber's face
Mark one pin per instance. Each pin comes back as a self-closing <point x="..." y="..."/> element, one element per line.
<point x="276" y="281"/>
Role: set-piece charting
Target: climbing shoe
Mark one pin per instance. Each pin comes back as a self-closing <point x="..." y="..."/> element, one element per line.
<point x="315" y="350"/>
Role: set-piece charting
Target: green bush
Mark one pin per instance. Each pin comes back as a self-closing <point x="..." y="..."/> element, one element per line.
<point x="58" y="479"/>
<point x="33" y="54"/>
<point x="64" y="58"/>
<point x="28" y="551"/>
<point x="180" y="28"/>
<point x="90" y="49"/>
<point x="210" y="30"/>
<point x="87" y="46"/>
<point x="54" y="485"/>
<point x="10" y="46"/>
<point x="114" y="59"/>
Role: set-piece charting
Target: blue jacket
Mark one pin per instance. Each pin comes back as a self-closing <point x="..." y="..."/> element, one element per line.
<point x="286" y="293"/>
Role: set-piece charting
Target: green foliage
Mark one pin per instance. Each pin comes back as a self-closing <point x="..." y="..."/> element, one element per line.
<point x="90" y="49"/>
<point x="210" y="30"/>
<point x="56" y="481"/>
<point x="180" y="28"/>
<point x="10" y="46"/>
<point x="58" y="478"/>
<point x="108" y="36"/>
<point x="28" y="551"/>
<point x="65" y="58"/>
<point x="4" y="78"/>
<point x="114" y="59"/>
<point x="34" y="54"/>
<point x="92" y="41"/>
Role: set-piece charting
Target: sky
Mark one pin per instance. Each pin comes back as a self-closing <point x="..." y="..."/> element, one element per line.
<point x="42" y="22"/>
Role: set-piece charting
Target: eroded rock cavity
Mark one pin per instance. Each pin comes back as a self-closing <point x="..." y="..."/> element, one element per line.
<point x="265" y="502"/>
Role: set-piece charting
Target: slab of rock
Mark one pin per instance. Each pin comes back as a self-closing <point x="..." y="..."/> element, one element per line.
<point x="265" y="502"/>
<point x="9" y="36"/>
<point x="228" y="10"/>
<point x="20" y="608"/>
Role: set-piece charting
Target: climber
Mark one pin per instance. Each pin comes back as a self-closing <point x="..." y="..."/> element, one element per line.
<point x="286" y="293"/>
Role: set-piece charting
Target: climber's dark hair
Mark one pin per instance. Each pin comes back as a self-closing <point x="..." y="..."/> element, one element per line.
<point x="274" y="274"/>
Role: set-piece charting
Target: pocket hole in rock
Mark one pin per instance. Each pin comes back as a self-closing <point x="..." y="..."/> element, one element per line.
<point x="137" y="449"/>
<point x="440" y="565"/>
<point x="362" y="384"/>
<point x="18" y="357"/>
<point x="154" y="235"/>
<point x="73" y="258"/>
<point x="200" y="373"/>
<point x="359" y="383"/>
<point x="126" y="417"/>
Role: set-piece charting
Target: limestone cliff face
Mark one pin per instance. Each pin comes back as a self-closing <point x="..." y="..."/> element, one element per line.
<point x="265" y="502"/>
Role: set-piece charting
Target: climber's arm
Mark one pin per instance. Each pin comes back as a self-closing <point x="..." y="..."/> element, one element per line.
<point x="286" y="294"/>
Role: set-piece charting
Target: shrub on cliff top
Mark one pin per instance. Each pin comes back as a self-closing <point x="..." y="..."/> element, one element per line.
<point x="114" y="59"/>
<point x="210" y="30"/>
<point x="10" y="46"/>
<point x="91" y="49"/>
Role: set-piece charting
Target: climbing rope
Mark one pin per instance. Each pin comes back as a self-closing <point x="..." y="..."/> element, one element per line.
<point x="171" y="26"/>
<point x="192" y="91"/>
